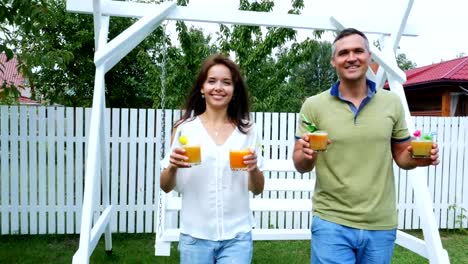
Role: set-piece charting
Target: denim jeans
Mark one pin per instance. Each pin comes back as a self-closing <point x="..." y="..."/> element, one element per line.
<point x="201" y="251"/>
<point x="334" y="243"/>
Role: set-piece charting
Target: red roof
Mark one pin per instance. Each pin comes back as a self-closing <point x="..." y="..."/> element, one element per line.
<point x="26" y="101"/>
<point x="452" y="70"/>
<point x="8" y="72"/>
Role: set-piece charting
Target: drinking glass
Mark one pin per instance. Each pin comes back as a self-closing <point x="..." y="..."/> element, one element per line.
<point x="236" y="158"/>
<point x="193" y="152"/>
<point x="318" y="140"/>
<point x="421" y="148"/>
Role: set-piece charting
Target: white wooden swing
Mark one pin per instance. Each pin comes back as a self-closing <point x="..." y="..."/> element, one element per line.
<point x="151" y="16"/>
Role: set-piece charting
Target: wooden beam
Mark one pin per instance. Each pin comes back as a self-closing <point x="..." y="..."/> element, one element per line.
<point x="446" y="100"/>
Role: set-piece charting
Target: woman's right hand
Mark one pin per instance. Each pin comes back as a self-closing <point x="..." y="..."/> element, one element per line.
<point x="178" y="158"/>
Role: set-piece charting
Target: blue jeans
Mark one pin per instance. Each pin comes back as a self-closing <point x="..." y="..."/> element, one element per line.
<point x="334" y="243"/>
<point x="201" y="251"/>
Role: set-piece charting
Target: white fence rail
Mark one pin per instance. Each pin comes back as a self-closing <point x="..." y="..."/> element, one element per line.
<point x="42" y="156"/>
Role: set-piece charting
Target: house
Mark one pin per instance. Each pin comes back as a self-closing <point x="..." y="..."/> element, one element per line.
<point x="9" y="75"/>
<point x="439" y="89"/>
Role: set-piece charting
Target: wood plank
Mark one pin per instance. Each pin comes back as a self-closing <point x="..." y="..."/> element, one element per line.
<point x="42" y="185"/>
<point x="452" y="181"/>
<point x="439" y="172"/>
<point x="270" y="218"/>
<point x="23" y="176"/>
<point x="432" y="173"/>
<point x="278" y="218"/>
<point x="124" y="120"/>
<point x="261" y="218"/>
<point x="132" y="165"/>
<point x="464" y="143"/>
<point x="33" y="169"/>
<point x="409" y="197"/>
<point x="60" y="182"/>
<point x="4" y="169"/>
<point x="150" y="161"/>
<point x="446" y="102"/>
<point x="69" y="170"/>
<point x="82" y="116"/>
<point x="105" y="158"/>
<point x="115" y="163"/>
<point x="282" y="148"/>
<point x="446" y="156"/>
<point x="51" y="173"/>
<point x="140" y="177"/>
<point x="462" y="161"/>
<point x="14" y="171"/>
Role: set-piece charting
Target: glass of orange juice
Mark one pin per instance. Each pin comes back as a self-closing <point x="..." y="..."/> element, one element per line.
<point x="193" y="152"/>
<point x="318" y="140"/>
<point x="421" y="148"/>
<point x="236" y="159"/>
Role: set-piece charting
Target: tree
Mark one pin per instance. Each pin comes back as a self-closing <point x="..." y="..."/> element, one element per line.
<point x="181" y="65"/>
<point x="404" y="63"/>
<point x="19" y="15"/>
<point x="59" y="62"/>
<point x="266" y="73"/>
<point x="460" y="55"/>
<point x="313" y="74"/>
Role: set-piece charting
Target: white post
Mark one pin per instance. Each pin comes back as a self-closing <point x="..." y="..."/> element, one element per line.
<point x="93" y="163"/>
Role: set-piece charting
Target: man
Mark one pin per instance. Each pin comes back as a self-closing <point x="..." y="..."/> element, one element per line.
<point x="354" y="210"/>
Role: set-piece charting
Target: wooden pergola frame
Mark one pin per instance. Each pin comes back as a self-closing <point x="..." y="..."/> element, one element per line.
<point x="151" y="16"/>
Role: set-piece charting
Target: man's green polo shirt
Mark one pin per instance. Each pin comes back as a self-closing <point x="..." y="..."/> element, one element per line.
<point x="355" y="185"/>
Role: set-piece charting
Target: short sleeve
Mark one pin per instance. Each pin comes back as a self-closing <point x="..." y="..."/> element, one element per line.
<point x="258" y="146"/>
<point x="174" y="144"/>
<point x="400" y="130"/>
<point x="307" y="112"/>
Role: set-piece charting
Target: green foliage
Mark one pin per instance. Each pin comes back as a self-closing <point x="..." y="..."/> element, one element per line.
<point x="19" y="16"/>
<point x="404" y="63"/>
<point x="460" y="216"/>
<point x="8" y="94"/>
<point x="271" y="69"/>
<point x="58" y="62"/>
<point x="460" y="55"/>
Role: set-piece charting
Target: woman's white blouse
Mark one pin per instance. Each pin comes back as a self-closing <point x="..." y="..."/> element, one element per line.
<point x="215" y="199"/>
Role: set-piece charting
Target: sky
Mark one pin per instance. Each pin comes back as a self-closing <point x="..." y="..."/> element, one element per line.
<point x="442" y="26"/>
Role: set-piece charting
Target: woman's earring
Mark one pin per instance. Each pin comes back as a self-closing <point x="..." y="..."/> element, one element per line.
<point x="202" y="95"/>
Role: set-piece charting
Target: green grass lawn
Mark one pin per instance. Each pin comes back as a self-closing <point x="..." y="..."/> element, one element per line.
<point x="139" y="248"/>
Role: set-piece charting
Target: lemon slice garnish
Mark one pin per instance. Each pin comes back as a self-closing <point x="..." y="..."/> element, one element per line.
<point x="183" y="140"/>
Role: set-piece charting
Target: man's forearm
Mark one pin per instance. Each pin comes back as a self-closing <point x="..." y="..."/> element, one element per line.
<point x="301" y="163"/>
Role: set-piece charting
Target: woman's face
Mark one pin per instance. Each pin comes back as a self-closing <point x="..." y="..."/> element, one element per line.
<point x="218" y="87"/>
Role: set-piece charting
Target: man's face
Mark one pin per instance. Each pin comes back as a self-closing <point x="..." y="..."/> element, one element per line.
<point x="351" y="58"/>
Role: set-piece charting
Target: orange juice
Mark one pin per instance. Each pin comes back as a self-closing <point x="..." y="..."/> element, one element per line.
<point x="236" y="159"/>
<point x="421" y="148"/>
<point x="193" y="153"/>
<point x="318" y="140"/>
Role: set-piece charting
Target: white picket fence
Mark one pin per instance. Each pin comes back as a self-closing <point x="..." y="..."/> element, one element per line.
<point x="42" y="156"/>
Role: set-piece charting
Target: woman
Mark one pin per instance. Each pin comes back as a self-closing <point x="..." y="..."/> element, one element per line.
<point x="216" y="220"/>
